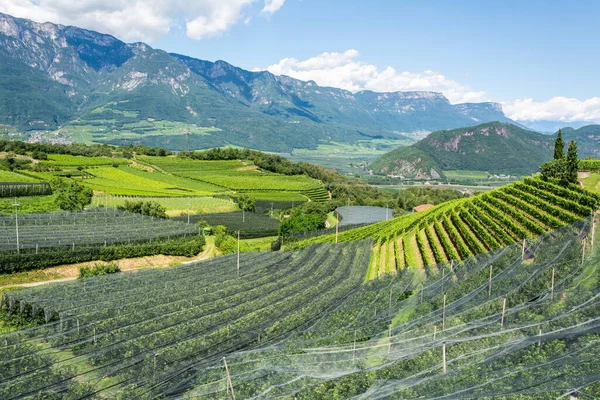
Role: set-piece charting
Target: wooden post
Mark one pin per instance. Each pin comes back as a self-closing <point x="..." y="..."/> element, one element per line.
<point x="583" y="252"/>
<point x="593" y="228"/>
<point x="238" y="254"/>
<point x="390" y="339"/>
<point x="337" y="229"/>
<point x="503" y="311"/>
<point x="354" y="347"/>
<point x="523" y="250"/>
<point x="422" y="288"/>
<point x="451" y="265"/>
<point x="444" y="314"/>
<point x="490" y="283"/>
<point x="434" y="331"/>
<point x="229" y="383"/>
<point x="94" y="334"/>
<point x="390" y="304"/>
<point x="552" y="286"/>
<point x="444" y="356"/>
<point x="540" y="336"/>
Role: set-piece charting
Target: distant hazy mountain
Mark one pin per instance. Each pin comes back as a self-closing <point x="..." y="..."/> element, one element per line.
<point x="93" y="84"/>
<point x="493" y="147"/>
<point x="551" y="127"/>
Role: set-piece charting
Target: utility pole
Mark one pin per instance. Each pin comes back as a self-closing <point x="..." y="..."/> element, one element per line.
<point x="17" y="224"/>
<point x="187" y="140"/>
<point x="188" y="213"/>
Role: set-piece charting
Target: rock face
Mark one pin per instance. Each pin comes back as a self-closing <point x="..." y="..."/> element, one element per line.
<point x="99" y="80"/>
<point x="493" y="147"/>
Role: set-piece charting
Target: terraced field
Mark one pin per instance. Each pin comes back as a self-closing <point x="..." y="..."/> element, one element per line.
<point x="304" y="325"/>
<point x="462" y="228"/>
<point x="239" y="176"/>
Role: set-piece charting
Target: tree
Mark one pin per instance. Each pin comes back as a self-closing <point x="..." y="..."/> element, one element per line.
<point x="247" y="203"/>
<point x="572" y="164"/>
<point x="70" y="195"/>
<point x="564" y="169"/>
<point x="559" y="146"/>
<point x="219" y="230"/>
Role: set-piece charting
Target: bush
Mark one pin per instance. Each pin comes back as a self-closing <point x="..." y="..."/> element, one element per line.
<point x="70" y="195"/>
<point x="226" y="244"/>
<point x="98" y="269"/>
<point x="149" y="208"/>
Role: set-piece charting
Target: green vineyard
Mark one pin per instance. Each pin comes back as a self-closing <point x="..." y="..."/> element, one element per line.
<point x="462" y="228"/>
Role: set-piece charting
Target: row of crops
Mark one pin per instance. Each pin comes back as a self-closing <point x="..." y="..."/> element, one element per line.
<point x="511" y="322"/>
<point x="462" y="228"/>
<point x="152" y="333"/>
<point x="19" y="189"/>
<point x="250" y="225"/>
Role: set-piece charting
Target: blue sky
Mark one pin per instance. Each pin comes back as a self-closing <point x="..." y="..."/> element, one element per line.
<point x="511" y="49"/>
<point x="539" y="58"/>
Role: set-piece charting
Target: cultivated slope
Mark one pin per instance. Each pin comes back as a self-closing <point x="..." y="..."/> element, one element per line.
<point x="462" y="228"/>
<point x="494" y="147"/>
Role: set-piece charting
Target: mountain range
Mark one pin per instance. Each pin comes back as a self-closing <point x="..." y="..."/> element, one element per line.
<point x="66" y="83"/>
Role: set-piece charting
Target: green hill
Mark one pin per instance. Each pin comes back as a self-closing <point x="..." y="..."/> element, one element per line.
<point x="587" y="138"/>
<point x="494" y="147"/>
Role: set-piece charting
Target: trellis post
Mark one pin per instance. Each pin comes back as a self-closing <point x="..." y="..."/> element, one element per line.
<point x="354" y="348"/>
<point x="444" y="356"/>
<point x="444" y="314"/>
<point x="503" y="311"/>
<point x="229" y="383"/>
<point x="238" y="254"/>
<point x="490" y="283"/>
<point x="552" y="285"/>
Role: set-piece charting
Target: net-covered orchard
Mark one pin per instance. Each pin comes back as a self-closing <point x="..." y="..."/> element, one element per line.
<point x="151" y="333"/>
<point x="517" y="321"/>
<point x="38" y="240"/>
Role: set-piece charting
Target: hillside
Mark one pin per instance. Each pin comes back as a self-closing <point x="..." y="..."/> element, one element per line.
<point x="463" y="228"/>
<point x="106" y="91"/>
<point x="493" y="147"/>
<point x="587" y="138"/>
<point x="305" y="325"/>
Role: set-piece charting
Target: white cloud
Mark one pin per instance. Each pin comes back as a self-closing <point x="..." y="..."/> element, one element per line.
<point x="145" y="20"/>
<point x="555" y="109"/>
<point x="272" y="6"/>
<point x="343" y="70"/>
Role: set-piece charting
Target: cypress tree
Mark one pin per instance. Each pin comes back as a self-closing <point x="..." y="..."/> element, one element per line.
<point x="559" y="146"/>
<point x="572" y="164"/>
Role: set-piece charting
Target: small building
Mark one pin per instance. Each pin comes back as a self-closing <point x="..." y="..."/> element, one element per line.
<point x="423" y="207"/>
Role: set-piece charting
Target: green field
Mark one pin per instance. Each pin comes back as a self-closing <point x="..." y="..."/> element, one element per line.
<point x="8" y="176"/>
<point x="175" y="205"/>
<point x="134" y="182"/>
<point x="592" y="182"/>
<point x="65" y="160"/>
<point x="463" y="174"/>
